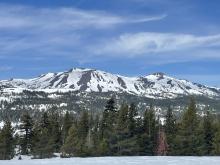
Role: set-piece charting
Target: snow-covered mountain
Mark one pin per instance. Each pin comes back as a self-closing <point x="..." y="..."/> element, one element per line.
<point x="157" y="85"/>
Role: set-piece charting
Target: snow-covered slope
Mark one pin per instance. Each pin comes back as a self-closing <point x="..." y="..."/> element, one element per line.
<point x="134" y="160"/>
<point x="156" y="85"/>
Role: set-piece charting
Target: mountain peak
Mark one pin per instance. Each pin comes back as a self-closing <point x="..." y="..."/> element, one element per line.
<point x="79" y="69"/>
<point x="155" y="85"/>
<point x="159" y="74"/>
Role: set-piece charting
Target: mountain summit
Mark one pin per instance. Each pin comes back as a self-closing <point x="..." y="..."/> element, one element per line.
<point x="156" y="85"/>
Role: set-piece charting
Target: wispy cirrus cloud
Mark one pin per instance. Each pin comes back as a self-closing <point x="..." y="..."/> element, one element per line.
<point x="151" y="44"/>
<point x="31" y="17"/>
<point x="40" y="33"/>
<point x="44" y="32"/>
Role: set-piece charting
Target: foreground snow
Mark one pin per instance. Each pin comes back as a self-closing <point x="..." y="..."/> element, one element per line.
<point x="118" y="161"/>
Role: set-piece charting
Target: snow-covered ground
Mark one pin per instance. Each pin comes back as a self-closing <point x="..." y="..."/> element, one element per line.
<point x="118" y="161"/>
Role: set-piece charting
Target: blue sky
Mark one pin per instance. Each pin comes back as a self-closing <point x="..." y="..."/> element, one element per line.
<point x="128" y="37"/>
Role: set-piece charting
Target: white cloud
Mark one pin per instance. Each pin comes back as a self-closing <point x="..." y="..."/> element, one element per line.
<point x="30" y="17"/>
<point x="140" y="44"/>
<point x="38" y="33"/>
<point x="44" y="32"/>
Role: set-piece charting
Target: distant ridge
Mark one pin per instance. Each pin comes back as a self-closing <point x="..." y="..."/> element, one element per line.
<point x="156" y="85"/>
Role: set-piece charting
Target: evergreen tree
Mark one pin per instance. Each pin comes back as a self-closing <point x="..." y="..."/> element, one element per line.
<point x="95" y="136"/>
<point x="208" y="134"/>
<point x="26" y="128"/>
<point x="108" y="118"/>
<point x="76" y="142"/>
<point x="216" y="141"/>
<point x="122" y="120"/>
<point x="43" y="144"/>
<point x="103" y="148"/>
<point x="149" y="136"/>
<point x="83" y="130"/>
<point x="170" y="131"/>
<point x="55" y="132"/>
<point x="108" y="126"/>
<point x="6" y="141"/>
<point x="83" y="125"/>
<point x="67" y="123"/>
<point x="122" y="131"/>
<point x="69" y="148"/>
<point x="188" y="132"/>
<point x="42" y="148"/>
<point x="45" y="123"/>
<point x="132" y="114"/>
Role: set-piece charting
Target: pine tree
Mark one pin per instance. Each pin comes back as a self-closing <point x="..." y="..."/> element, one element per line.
<point x="122" y="120"/>
<point x="216" y="141"/>
<point x="55" y="132"/>
<point x="76" y="141"/>
<point x="83" y="125"/>
<point x="6" y="141"/>
<point x="69" y="148"/>
<point x="149" y="136"/>
<point x="83" y="130"/>
<point x="122" y="131"/>
<point x="67" y="123"/>
<point x="95" y="136"/>
<point x="132" y="114"/>
<point x="42" y="148"/>
<point x="208" y="134"/>
<point x="188" y="132"/>
<point x="45" y="123"/>
<point x="43" y="144"/>
<point x="26" y="128"/>
<point x="170" y="131"/>
<point x="108" y="126"/>
<point x="108" y="118"/>
<point x="103" y="148"/>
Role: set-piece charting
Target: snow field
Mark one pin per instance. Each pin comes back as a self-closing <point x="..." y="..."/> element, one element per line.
<point x="145" y="160"/>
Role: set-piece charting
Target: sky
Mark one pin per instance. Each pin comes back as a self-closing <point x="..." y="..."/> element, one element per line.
<point x="129" y="37"/>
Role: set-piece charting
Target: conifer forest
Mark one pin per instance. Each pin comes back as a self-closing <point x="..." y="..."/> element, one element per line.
<point x="118" y="131"/>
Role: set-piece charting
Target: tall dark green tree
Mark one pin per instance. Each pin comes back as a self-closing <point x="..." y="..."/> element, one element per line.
<point x="122" y="119"/>
<point x="6" y="141"/>
<point x="44" y="121"/>
<point x="188" y="132"/>
<point x="108" y="125"/>
<point x="122" y="131"/>
<point x="170" y="131"/>
<point x="43" y="145"/>
<point x="216" y="141"/>
<point x="26" y="128"/>
<point x="76" y="142"/>
<point x="70" y="147"/>
<point x="208" y="134"/>
<point x="55" y="132"/>
<point x="95" y="136"/>
<point x="148" y="140"/>
<point x="132" y="114"/>
<point x="108" y="118"/>
<point x="83" y="133"/>
<point x="67" y="123"/>
<point x="83" y="126"/>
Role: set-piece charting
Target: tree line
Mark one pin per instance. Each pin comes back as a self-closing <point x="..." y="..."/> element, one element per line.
<point x="116" y="132"/>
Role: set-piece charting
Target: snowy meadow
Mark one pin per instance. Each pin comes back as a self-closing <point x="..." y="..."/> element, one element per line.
<point x="145" y="160"/>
